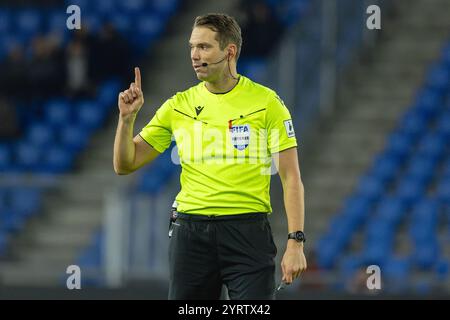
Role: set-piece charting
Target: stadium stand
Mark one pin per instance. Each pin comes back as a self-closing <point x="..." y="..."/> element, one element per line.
<point x="406" y="187"/>
<point x="58" y="128"/>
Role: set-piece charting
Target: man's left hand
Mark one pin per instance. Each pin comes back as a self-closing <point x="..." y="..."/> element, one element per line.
<point x="294" y="261"/>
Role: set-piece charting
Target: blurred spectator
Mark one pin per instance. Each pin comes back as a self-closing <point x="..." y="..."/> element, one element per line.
<point x="53" y="70"/>
<point x="13" y="78"/>
<point x="8" y="120"/>
<point x="77" y="69"/>
<point x="261" y="29"/>
<point x="110" y="53"/>
<point x="45" y="71"/>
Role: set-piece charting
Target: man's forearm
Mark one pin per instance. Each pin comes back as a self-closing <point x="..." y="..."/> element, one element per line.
<point x="294" y="203"/>
<point x="124" y="148"/>
<point x="294" y="261"/>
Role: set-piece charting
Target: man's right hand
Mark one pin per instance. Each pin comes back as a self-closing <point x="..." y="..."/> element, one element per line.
<point x="132" y="99"/>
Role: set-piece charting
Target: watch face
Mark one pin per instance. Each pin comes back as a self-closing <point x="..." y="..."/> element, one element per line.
<point x="299" y="236"/>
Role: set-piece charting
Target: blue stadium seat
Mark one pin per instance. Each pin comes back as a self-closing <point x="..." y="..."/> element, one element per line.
<point x="132" y="6"/>
<point x="3" y="201"/>
<point x="412" y="124"/>
<point x="432" y="146"/>
<point x="343" y="233"/>
<point x="28" y="23"/>
<point x="409" y="189"/>
<point x="74" y="137"/>
<point x="446" y="170"/>
<point x="442" y="269"/>
<point x="421" y="233"/>
<point x="370" y="187"/>
<point x="380" y="230"/>
<point x="426" y="211"/>
<point x="396" y="272"/>
<point x="164" y="8"/>
<point x="443" y="191"/>
<point x="385" y="167"/>
<point x="151" y="182"/>
<point x="443" y="125"/>
<point x="255" y="69"/>
<point x="122" y="22"/>
<point x="41" y="135"/>
<point x="147" y="28"/>
<point x="327" y="253"/>
<point x="105" y="7"/>
<point x="13" y="221"/>
<point x="4" y="207"/>
<point x="428" y="102"/>
<point x="157" y="173"/>
<point x="426" y="254"/>
<point x="438" y="78"/>
<point x="428" y="105"/>
<point x="58" y="113"/>
<point x="28" y="156"/>
<point x="350" y="264"/>
<point x="399" y="145"/>
<point x="446" y="55"/>
<point x="340" y="232"/>
<point x="108" y="92"/>
<point x="289" y="12"/>
<point x="446" y="210"/>
<point x="424" y="220"/>
<point x="356" y="209"/>
<point x="92" y="256"/>
<point x="272" y="3"/>
<point x="376" y="252"/>
<point x="5" y="158"/>
<point x="391" y="209"/>
<point x="57" y="159"/>
<point x="5" y="21"/>
<point x="421" y="168"/>
<point x="90" y="114"/>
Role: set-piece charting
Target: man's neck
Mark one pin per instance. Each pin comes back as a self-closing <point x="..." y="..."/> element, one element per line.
<point x="222" y="86"/>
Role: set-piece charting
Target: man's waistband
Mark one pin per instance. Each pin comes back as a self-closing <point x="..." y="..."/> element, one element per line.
<point x="215" y="217"/>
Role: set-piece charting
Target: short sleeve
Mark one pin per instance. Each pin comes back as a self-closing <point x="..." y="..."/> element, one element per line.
<point x="280" y="128"/>
<point x="158" y="132"/>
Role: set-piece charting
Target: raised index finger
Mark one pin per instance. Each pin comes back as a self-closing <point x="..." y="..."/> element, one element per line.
<point x="137" y="77"/>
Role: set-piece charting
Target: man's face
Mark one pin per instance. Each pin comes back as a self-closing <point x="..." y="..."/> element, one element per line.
<point x="205" y="48"/>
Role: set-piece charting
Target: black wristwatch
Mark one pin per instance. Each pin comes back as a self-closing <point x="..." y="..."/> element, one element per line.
<point x="298" y="236"/>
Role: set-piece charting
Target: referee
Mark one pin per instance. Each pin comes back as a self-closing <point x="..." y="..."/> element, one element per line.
<point x="227" y="129"/>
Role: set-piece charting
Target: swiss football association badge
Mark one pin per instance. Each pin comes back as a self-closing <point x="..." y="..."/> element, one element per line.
<point x="289" y="128"/>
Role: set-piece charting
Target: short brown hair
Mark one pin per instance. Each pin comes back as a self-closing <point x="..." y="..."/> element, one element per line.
<point x="227" y="28"/>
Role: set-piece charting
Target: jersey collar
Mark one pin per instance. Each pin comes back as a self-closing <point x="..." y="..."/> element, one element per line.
<point x="229" y="93"/>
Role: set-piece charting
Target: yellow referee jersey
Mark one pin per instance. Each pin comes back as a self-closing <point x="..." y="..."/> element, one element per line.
<point x="224" y="142"/>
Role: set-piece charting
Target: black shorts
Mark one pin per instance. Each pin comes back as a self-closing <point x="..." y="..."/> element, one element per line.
<point x="206" y="252"/>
